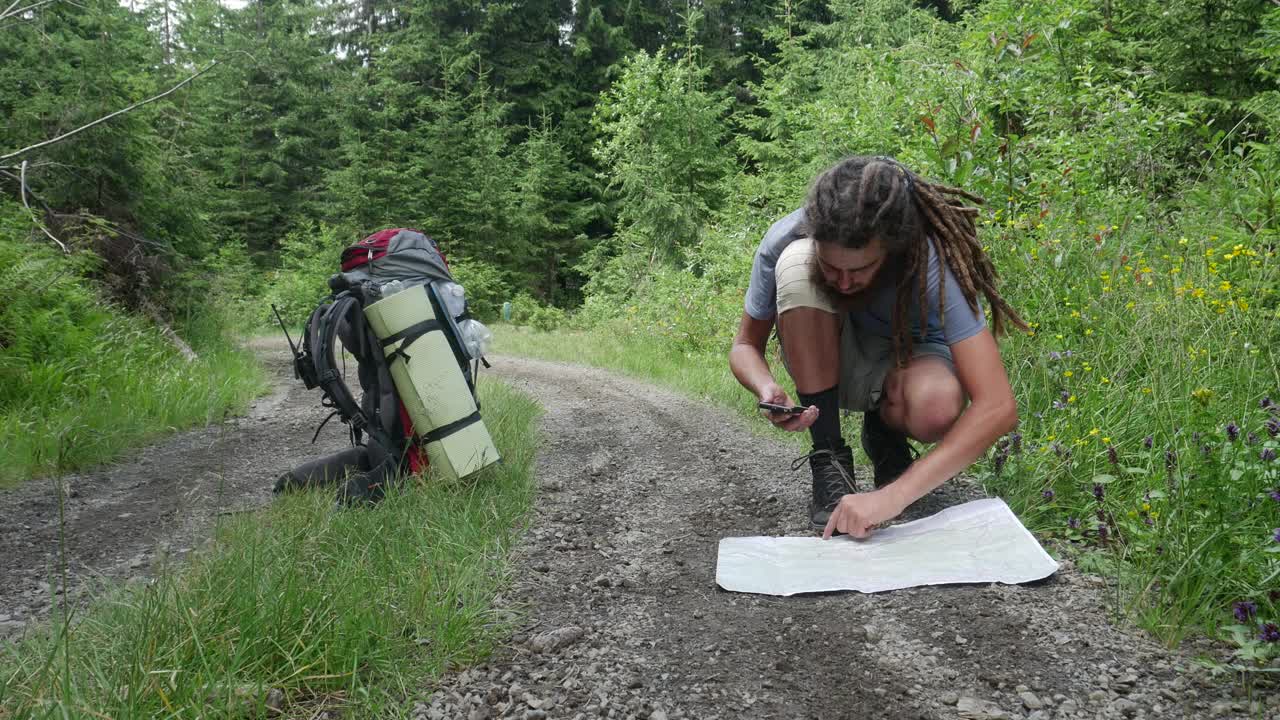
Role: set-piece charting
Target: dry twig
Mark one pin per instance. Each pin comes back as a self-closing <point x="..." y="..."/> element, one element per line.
<point x="105" y="118"/>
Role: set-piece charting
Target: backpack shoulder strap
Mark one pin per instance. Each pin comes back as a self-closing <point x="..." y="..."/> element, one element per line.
<point x="322" y="331"/>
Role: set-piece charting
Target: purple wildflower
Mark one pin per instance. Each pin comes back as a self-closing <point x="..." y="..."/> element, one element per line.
<point x="1244" y="610"/>
<point x="1073" y="523"/>
<point x="1017" y="442"/>
<point x="1206" y="449"/>
<point x="1273" y="427"/>
<point x="1102" y="534"/>
<point x="1067" y="353"/>
<point x="1266" y="403"/>
<point x="1275" y="535"/>
<point x="1055" y="355"/>
<point x="1059" y="405"/>
<point x="1170" y="458"/>
<point x="1147" y="442"/>
<point x="1275" y="494"/>
<point x="1147" y="519"/>
<point x="1233" y="431"/>
<point x="1047" y="494"/>
<point x="1251" y="439"/>
<point x="1001" y="457"/>
<point x="1098" y="492"/>
<point x="1269" y="632"/>
<point x="1267" y="454"/>
<point x="1112" y="456"/>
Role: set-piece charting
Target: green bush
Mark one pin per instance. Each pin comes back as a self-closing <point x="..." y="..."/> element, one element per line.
<point x="309" y="255"/>
<point x="487" y="288"/>
<point x="525" y="310"/>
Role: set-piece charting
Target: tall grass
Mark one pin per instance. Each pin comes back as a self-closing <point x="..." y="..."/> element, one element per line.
<point x="77" y="411"/>
<point x="82" y="379"/>
<point x="324" y="607"/>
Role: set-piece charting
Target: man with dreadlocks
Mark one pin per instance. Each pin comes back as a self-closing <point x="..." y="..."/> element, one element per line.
<point x="874" y="285"/>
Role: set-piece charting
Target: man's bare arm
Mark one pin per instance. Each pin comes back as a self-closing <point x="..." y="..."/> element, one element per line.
<point x="748" y="364"/>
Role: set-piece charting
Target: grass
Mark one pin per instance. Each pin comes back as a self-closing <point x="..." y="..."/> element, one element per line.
<point x="82" y="379"/>
<point x="342" y="608"/>
<point x="117" y="404"/>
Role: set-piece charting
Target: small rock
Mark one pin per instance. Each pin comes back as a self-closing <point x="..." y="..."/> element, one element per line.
<point x="1030" y="700"/>
<point x="1125" y="707"/>
<point x="1220" y="708"/>
<point x="949" y="698"/>
<point x="535" y="715"/>
<point x="555" y="639"/>
<point x="275" y="699"/>
<point x="975" y="709"/>
<point x="657" y="715"/>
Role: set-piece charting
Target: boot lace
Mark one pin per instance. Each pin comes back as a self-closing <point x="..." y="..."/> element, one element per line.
<point x="829" y="471"/>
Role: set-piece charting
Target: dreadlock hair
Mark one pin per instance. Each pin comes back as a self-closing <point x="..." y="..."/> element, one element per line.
<point x="864" y="197"/>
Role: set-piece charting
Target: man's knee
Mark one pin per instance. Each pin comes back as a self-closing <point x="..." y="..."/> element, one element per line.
<point x="932" y="425"/>
<point x="932" y="406"/>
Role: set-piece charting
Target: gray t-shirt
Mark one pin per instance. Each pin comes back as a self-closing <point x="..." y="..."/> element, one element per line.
<point x="877" y="317"/>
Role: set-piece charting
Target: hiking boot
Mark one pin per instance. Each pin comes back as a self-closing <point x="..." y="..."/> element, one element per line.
<point x="832" y="479"/>
<point x="888" y="449"/>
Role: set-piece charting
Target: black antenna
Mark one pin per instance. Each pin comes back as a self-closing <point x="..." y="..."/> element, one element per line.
<point x="292" y="347"/>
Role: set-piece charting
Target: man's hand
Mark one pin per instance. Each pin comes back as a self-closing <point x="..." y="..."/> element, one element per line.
<point x="857" y="514"/>
<point x="772" y="393"/>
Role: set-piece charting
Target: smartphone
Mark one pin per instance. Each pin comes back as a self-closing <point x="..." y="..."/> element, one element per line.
<point x="793" y="410"/>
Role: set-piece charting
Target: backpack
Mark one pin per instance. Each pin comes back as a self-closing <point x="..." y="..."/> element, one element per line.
<point x="384" y="442"/>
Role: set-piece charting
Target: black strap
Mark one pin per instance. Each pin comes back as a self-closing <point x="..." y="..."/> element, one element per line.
<point x="413" y="332"/>
<point x="322" y="424"/>
<point x="410" y="335"/>
<point x="448" y="429"/>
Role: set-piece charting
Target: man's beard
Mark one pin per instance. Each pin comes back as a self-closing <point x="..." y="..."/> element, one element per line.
<point x="855" y="301"/>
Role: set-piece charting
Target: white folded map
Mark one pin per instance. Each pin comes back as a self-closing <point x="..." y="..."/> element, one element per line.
<point x="977" y="542"/>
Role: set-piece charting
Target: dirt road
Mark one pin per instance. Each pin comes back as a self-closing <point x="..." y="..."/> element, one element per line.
<point x="616" y="578"/>
<point x="637" y="487"/>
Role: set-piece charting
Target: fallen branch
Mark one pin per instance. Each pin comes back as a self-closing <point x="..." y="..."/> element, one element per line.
<point x="170" y="335"/>
<point x="10" y="12"/>
<point x="105" y="118"/>
<point x="22" y="182"/>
